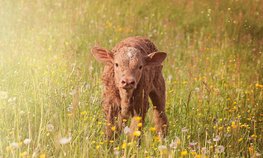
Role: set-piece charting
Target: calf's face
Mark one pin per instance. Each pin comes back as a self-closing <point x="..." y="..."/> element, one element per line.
<point x="128" y="65"/>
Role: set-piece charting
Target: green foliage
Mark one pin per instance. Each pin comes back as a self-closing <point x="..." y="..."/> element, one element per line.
<point x="50" y="85"/>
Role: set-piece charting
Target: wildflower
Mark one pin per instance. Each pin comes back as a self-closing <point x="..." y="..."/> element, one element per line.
<point x="23" y="154"/>
<point x="228" y="129"/>
<point x="50" y="127"/>
<point x="233" y="125"/>
<point x="137" y="133"/>
<point x="162" y="149"/>
<point x="184" y="153"/>
<point x="42" y="156"/>
<point x="216" y="139"/>
<point x="184" y="130"/>
<point x="139" y="124"/>
<point x="152" y="129"/>
<point x="251" y="150"/>
<point x="138" y="118"/>
<point x="124" y="145"/>
<point x="116" y="152"/>
<point x="197" y="89"/>
<point x="156" y="138"/>
<point x="14" y="145"/>
<point x="3" y="95"/>
<point x="174" y="144"/>
<point x="97" y="147"/>
<point x="70" y="108"/>
<point x="192" y="144"/>
<point x="64" y="140"/>
<point x="11" y="100"/>
<point x="220" y="149"/>
<point x="254" y="136"/>
<point x="198" y="156"/>
<point x="220" y="128"/>
<point x="113" y="128"/>
<point x="27" y="141"/>
<point x="127" y="130"/>
<point x="8" y="148"/>
<point x="83" y="113"/>
<point x="240" y="139"/>
<point x="193" y="152"/>
<point x="204" y="150"/>
<point x="259" y="85"/>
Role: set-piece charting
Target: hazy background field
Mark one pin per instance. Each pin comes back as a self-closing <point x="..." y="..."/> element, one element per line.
<point x="50" y="87"/>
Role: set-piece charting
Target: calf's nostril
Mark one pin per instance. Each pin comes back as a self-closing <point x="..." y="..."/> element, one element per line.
<point x="132" y="82"/>
<point x="123" y="82"/>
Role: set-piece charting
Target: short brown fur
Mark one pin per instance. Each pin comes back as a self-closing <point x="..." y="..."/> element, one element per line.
<point x="151" y="84"/>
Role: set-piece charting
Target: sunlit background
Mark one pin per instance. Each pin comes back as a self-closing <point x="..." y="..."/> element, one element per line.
<point x="50" y="87"/>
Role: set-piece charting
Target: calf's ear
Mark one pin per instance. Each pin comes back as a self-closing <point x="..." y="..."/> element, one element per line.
<point x="155" y="58"/>
<point x="102" y="55"/>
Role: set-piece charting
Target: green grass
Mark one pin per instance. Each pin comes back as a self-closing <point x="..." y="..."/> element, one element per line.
<point x="214" y="76"/>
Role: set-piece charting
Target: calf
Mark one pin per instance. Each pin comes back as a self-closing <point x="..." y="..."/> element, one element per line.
<point x="132" y="72"/>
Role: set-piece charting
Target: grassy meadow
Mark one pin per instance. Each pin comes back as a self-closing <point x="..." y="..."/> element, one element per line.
<point x="50" y="87"/>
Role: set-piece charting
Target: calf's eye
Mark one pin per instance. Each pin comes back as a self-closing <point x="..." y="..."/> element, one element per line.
<point x="140" y="67"/>
<point x="116" y="64"/>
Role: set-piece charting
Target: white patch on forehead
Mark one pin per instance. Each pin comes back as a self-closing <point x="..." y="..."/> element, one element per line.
<point x="131" y="52"/>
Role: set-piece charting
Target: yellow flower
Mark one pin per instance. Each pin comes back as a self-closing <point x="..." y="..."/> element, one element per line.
<point x="233" y="125"/>
<point x="139" y="125"/>
<point x="251" y="150"/>
<point x="137" y="133"/>
<point x="42" y="156"/>
<point x="198" y="156"/>
<point x="228" y="128"/>
<point x="124" y="120"/>
<point x="193" y="153"/>
<point x="240" y="139"/>
<point x="23" y="154"/>
<point x="138" y="118"/>
<point x="124" y="145"/>
<point x="156" y="138"/>
<point x="97" y="147"/>
<point x="113" y="128"/>
<point x="184" y="153"/>
<point x="8" y="148"/>
<point x="152" y="129"/>
<point x="254" y="136"/>
<point x="111" y="141"/>
<point x="83" y="113"/>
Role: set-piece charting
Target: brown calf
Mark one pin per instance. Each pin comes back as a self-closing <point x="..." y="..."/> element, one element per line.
<point x="132" y="72"/>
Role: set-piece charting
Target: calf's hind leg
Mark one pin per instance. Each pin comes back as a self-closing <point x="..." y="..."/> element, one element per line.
<point x="158" y="99"/>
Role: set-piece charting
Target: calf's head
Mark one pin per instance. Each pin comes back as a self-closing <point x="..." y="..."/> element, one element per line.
<point x="128" y="64"/>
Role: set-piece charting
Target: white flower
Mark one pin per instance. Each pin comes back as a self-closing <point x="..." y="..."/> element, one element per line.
<point x="27" y="141"/>
<point x="116" y="152"/>
<point x="70" y="108"/>
<point x="197" y="89"/>
<point x="192" y="144"/>
<point x="50" y="127"/>
<point x="184" y="130"/>
<point x="175" y="143"/>
<point x="220" y="149"/>
<point x="216" y="139"/>
<point x="64" y="140"/>
<point x="3" y="95"/>
<point x="162" y="148"/>
<point x="11" y="100"/>
<point x="170" y="77"/>
<point x="127" y="130"/>
<point x="14" y="145"/>
<point x="204" y="150"/>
